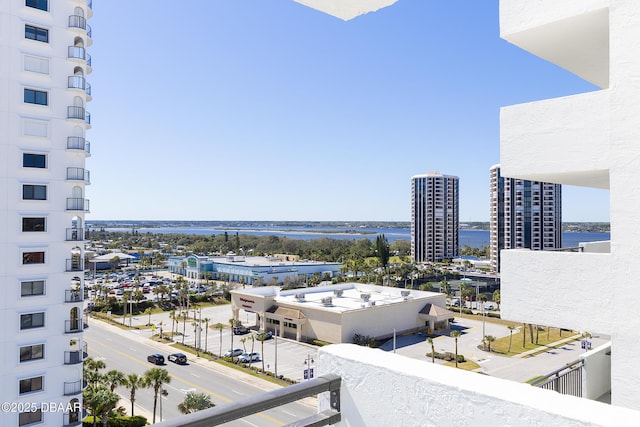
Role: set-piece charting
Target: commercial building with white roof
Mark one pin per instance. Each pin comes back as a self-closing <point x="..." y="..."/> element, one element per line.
<point x="247" y="270"/>
<point x="335" y="313"/>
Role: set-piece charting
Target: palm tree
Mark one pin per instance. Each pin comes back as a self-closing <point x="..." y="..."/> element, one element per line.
<point x="91" y="368"/>
<point x="243" y="341"/>
<point x="433" y="350"/>
<point x="252" y="338"/>
<point x="261" y="337"/>
<point x="133" y="382"/>
<point x="194" y="402"/>
<point x="172" y="316"/>
<point x="511" y="329"/>
<point x="524" y="335"/>
<point x="100" y="401"/>
<point x="114" y="378"/>
<point x="232" y="322"/>
<point x="185" y="316"/>
<point x="220" y="327"/>
<point x="206" y="321"/>
<point x="148" y="311"/>
<point x="455" y="335"/>
<point x="155" y="378"/>
<point x="489" y="339"/>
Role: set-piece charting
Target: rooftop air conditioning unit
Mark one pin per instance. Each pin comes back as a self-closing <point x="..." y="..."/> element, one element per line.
<point x="338" y="292"/>
<point x="327" y="301"/>
<point x="405" y="293"/>
<point x="300" y="297"/>
<point x="365" y="297"/>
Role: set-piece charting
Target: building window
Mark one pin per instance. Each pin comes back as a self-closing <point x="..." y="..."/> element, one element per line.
<point x="36" y="33"/>
<point x="36" y="64"/>
<point x="32" y="96"/>
<point x="31" y="288"/>
<point x="33" y="224"/>
<point x="29" y="418"/>
<point x="30" y="160"/>
<point x="31" y="320"/>
<point x="30" y="385"/>
<point x="31" y="352"/>
<point x="34" y="192"/>
<point x="33" y="257"/>
<point x="38" y="4"/>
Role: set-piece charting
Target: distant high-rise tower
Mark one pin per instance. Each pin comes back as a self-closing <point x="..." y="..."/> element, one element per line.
<point x="43" y="122"/>
<point x="524" y="214"/>
<point x="434" y="217"/>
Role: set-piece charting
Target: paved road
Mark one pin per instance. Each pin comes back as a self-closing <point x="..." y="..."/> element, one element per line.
<point x="127" y="351"/>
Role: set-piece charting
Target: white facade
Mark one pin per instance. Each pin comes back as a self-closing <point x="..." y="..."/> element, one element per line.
<point x="335" y="313"/>
<point x="43" y="149"/>
<point x="524" y="214"/>
<point x="434" y="217"/>
<point x="594" y="138"/>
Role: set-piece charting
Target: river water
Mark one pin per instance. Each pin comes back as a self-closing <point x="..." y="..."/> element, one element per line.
<point x="472" y="238"/>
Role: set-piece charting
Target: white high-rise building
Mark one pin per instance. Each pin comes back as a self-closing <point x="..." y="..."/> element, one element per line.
<point x="434" y="217"/>
<point x="43" y="121"/>
<point x="524" y="214"/>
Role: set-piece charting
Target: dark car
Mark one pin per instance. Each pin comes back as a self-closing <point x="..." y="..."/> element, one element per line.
<point x="263" y="336"/>
<point x="240" y="330"/>
<point x="157" y="359"/>
<point x="178" y="358"/>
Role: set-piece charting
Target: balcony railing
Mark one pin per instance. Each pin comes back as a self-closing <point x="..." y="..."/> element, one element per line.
<point x="87" y="118"/>
<point x="73" y="388"/>
<point x="254" y="404"/>
<point x="75" y="264"/>
<point x="73" y="326"/>
<point x="74" y="112"/>
<point x="72" y="419"/>
<point x="76" y="21"/>
<point x="87" y="89"/>
<point x="78" y="143"/>
<point x="78" y="174"/>
<point x="75" y="235"/>
<point x="566" y="380"/>
<point x="88" y="60"/>
<point x="73" y="295"/>
<point x="89" y="31"/>
<point x="76" y="52"/>
<point x="76" y="82"/>
<point x="73" y="357"/>
<point x="77" y="204"/>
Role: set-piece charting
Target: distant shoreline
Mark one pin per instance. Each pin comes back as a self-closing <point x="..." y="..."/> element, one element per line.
<point x="325" y="227"/>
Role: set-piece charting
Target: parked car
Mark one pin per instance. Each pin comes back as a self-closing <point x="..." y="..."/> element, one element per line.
<point x="157" y="359"/>
<point x="263" y="336"/>
<point x="249" y="357"/>
<point x="178" y="358"/>
<point x="240" y="330"/>
<point x="233" y="352"/>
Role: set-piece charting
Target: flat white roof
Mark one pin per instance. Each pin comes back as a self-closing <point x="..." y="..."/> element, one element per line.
<point x="344" y="297"/>
<point x="261" y="261"/>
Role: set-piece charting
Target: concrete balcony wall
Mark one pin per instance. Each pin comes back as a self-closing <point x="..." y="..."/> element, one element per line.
<point x="597" y="372"/>
<point x="386" y="389"/>
<point x="560" y="289"/>
<point x="348" y="9"/>
<point x="571" y="34"/>
<point x="561" y="140"/>
<point x="596" y="247"/>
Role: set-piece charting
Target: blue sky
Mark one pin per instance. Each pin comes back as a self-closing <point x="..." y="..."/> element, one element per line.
<point x="269" y="110"/>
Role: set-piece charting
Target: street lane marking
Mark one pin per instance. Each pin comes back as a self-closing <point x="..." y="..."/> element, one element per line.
<point x="242" y="419"/>
<point x="195" y="386"/>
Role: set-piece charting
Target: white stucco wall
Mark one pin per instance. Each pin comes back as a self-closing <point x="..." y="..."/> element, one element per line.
<point x="586" y="291"/>
<point x="597" y="372"/>
<point x="561" y="289"/>
<point x="386" y="389"/>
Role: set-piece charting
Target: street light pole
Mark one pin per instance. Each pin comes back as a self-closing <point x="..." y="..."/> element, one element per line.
<point x="276" y="358"/>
